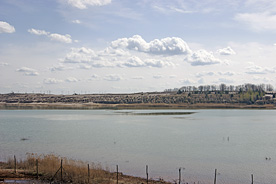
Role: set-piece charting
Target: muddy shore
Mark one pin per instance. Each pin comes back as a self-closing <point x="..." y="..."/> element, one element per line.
<point x="14" y="106"/>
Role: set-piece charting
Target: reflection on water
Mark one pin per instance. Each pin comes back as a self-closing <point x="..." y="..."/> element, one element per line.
<point x="155" y="113"/>
<point x="235" y="142"/>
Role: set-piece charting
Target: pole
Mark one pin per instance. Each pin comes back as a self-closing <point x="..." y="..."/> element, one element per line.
<point x="14" y="164"/>
<point x="117" y="170"/>
<point x="252" y="179"/>
<point x="88" y="173"/>
<point x="61" y="170"/>
<point x="147" y="173"/>
<point x="179" y="175"/>
<point x="215" y="180"/>
<point x="37" y="168"/>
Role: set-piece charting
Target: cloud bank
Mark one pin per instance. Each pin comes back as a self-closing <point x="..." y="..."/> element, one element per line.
<point x="165" y="46"/>
<point x="110" y="58"/>
<point x="135" y="52"/>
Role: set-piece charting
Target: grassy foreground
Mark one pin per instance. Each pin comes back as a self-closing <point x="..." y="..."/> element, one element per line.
<point x="47" y="168"/>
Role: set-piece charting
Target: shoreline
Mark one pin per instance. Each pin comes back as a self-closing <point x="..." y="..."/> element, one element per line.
<point x="46" y="169"/>
<point x="138" y="106"/>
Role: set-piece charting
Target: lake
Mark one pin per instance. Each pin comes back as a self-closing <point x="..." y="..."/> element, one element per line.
<point x="235" y="142"/>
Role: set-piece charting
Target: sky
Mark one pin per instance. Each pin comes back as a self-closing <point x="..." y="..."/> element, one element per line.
<point x="125" y="46"/>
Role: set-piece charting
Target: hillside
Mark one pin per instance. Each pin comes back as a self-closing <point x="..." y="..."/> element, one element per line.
<point x="179" y="99"/>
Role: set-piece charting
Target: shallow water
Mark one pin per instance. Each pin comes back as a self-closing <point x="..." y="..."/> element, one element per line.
<point x="235" y="142"/>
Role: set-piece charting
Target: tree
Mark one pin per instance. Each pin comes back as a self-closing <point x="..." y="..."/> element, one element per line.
<point x="269" y="87"/>
<point x="222" y="87"/>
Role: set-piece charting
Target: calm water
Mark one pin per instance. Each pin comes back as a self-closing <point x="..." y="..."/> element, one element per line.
<point x="235" y="142"/>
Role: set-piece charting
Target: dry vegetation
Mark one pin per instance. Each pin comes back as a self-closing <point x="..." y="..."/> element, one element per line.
<point x="73" y="171"/>
<point x="243" y="96"/>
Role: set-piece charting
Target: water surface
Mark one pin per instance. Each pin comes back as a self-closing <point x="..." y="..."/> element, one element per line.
<point x="235" y="142"/>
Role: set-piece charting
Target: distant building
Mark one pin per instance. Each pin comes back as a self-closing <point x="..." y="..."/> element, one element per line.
<point x="268" y="97"/>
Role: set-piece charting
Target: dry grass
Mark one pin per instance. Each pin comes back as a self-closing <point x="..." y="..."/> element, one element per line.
<point x="73" y="171"/>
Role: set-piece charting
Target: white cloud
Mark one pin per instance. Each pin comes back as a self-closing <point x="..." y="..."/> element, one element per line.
<point x="227" y="73"/>
<point x="190" y="6"/>
<point x="113" y="77"/>
<point x="84" y="66"/>
<point x="138" y="77"/>
<point x="171" y="9"/>
<point x="170" y="46"/>
<point x="4" y="64"/>
<point x="201" y="74"/>
<point x="134" y="62"/>
<point x="211" y="6"/>
<point x="165" y="46"/>
<point x="226" y="51"/>
<point x="87" y="58"/>
<point x="202" y="57"/>
<point x="157" y="63"/>
<point x="38" y="32"/>
<point x="71" y="79"/>
<point x="28" y="71"/>
<point x="187" y="82"/>
<point x="59" y="67"/>
<point x="95" y="76"/>
<point x="137" y="62"/>
<point x="225" y="80"/>
<point x="61" y="38"/>
<point x="258" y="21"/>
<point x="6" y="27"/>
<point x="82" y="4"/>
<point x="201" y="81"/>
<point x="102" y="63"/>
<point x="80" y="55"/>
<point x="109" y="51"/>
<point x="255" y="69"/>
<point x="110" y="57"/>
<point x="226" y="62"/>
<point x="52" y="81"/>
<point x="262" y="79"/>
<point x="54" y="36"/>
<point x="134" y="43"/>
<point x="157" y="76"/>
<point x="76" y="21"/>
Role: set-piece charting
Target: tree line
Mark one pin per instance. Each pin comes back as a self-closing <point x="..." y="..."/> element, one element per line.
<point x="224" y="88"/>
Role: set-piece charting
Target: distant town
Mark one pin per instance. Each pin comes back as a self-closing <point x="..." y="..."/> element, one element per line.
<point x="187" y="96"/>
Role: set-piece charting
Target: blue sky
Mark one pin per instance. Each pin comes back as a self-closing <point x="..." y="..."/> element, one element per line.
<point x="119" y="46"/>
